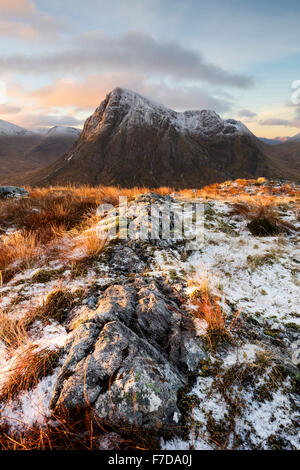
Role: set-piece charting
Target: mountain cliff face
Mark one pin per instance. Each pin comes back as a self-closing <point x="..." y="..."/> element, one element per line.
<point x="132" y="141"/>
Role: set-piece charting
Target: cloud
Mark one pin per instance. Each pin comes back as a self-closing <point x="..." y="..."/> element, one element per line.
<point x="7" y="109"/>
<point x="21" y="19"/>
<point x="281" y="122"/>
<point x="87" y="94"/>
<point x="136" y="51"/>
<point x="39" y="120"/>
<point x="246" y="113"/>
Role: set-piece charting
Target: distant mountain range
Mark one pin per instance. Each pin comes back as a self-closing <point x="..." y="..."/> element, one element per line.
<point x="275" y="141"/>
<point x="133" y="141"/>
<point x="22" y="150"/>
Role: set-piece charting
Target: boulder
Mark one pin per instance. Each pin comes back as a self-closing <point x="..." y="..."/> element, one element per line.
<point x="12" y="191"/>
<point x="130" y="358"/>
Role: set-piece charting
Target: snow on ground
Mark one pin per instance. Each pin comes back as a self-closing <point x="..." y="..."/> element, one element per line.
<point x="30" y="407"/>
<point x="258" y="276"/>
<point x="229" y="258"/>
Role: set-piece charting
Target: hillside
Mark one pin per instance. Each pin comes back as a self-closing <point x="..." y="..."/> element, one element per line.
<point x="288" y="153"/>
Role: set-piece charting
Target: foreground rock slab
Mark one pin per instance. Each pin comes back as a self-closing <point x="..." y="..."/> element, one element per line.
<point x="129" y="358"/>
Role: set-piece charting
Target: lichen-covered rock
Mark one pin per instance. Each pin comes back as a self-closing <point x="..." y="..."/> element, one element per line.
<point x="12" y="191"/>
<point x="126" y="260"/>
<point x="130" y="358"/>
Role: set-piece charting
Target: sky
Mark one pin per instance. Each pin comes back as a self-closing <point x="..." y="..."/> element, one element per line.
<point x="58" y="60"/>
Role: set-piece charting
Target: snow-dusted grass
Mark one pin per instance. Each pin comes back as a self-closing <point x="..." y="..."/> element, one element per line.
<point x="241" y="398"/>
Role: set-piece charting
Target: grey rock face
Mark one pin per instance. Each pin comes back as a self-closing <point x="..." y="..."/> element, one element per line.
<point x="12" y="191"/>
<point x="130" y="358"/>
<point x="126" y="260"/>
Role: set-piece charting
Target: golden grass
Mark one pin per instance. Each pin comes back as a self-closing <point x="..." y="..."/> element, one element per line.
<point x="79" y="246"/>
<point x="27" y="370"/>
<point x="237" y="191"/>
<point x="49" y="215"/>
<point x="13" y="332"/>
<point x="209" y="308"/>
<point x="20" y="249"/>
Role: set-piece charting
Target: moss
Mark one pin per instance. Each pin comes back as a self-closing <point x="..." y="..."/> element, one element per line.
<point x="186" y="404"/>
<point x="173" y="275"/>
<point x="218" y="430"/>
<point x="277" y="442"/>
<point x="253" y="320"/>
<point x="293" y="326"/>
<point x="227" y="228"/>
<point x="45" y="275"/>
<point x="56" y="306"/>
<point x="272" y="333"/>
<point x="216" y="336"/>
<point x="263" y="393"/>
<point x="80" y="269"/>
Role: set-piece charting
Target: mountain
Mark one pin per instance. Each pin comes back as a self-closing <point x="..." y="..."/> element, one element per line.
<point x="22" y="150"/>
<point x="275" y="141"/>
<point x="53" y="143"/>
<point x="14" y="144"/>
<point x="288" y="153"/>
<point x="133" y="141"/>
<point x="296" y="138"/>
<point x="9" y="129"/>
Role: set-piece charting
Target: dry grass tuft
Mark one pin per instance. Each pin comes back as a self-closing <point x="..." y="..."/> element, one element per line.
<point x="27" y="370"/>
<point x="18" y="250"/>
<point x="219" y="327"/>
<point x="82" y="431"/>
<point x="78" y="247"/>
<point x="263" y="218"/>
<point x="13" y="333"/>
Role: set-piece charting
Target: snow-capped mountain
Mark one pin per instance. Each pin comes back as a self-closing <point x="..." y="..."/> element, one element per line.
<point x="9" y="129"/>
<point x="296" y="138"/>
<point x="133" y="141"/>
<point x="58" y="131"/>
<point x="139" y="111"/>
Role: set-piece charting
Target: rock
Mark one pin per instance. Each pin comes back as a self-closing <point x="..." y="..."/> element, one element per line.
<point x="130" y="358"/>
<point x="126" y="260"/>
<point x="12" y="191"/>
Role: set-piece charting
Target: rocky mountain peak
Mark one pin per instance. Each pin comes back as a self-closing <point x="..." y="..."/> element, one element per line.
<point x="130" y="109"/>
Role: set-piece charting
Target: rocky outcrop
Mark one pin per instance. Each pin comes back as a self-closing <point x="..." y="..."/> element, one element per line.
<point x="132" y="141"/>
<point x="12" y="191"/>
<point x="129" y="358"/>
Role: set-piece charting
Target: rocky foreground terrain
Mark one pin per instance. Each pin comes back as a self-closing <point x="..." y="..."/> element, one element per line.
<point x="173" y="343"/>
